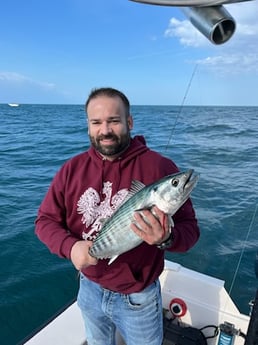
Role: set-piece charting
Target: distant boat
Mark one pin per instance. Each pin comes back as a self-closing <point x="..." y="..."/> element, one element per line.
<point x="13" y="104"/>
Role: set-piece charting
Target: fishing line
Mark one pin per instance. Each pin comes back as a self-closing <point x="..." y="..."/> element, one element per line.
<point x="181" y="106"/>
<point x="243" y="248"/>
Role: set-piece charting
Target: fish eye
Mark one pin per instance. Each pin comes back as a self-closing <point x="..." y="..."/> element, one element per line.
<point x="175" y="182"/>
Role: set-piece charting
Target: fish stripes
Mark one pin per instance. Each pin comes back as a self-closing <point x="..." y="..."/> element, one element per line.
<point x="168" y="194"/>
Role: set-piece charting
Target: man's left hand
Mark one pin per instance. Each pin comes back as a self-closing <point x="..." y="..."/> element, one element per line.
<point x="153" y="226"/>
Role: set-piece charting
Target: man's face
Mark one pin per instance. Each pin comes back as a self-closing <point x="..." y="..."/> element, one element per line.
<point x="109" y="126"/>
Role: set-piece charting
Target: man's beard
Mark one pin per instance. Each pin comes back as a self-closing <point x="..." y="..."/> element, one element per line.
<point x="119" y="145"/>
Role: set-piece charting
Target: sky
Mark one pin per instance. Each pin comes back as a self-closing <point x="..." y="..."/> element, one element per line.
<point x="56" y="51"/>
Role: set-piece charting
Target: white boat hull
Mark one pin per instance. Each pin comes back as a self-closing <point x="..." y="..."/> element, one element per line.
<point x="13" y="104"/>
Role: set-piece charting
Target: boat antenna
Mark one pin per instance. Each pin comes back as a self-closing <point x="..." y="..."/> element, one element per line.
<point x="181" y="106"/>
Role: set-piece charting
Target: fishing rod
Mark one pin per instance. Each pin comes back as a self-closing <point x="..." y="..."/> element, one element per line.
<point x="243" y="249"/>
<point x="181" y="107"/>
<point x="227" y="330"/>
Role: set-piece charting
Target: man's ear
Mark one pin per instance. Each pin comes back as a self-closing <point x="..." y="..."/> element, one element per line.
<point x="130" y="122"/>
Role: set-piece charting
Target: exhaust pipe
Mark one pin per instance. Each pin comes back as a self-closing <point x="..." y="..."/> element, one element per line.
<point x="208" y="16"/>
<point x="213" y="22"/>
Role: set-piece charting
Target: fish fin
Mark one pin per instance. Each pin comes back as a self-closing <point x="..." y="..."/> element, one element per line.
<point x="136" y="186"/>
<point x="112" y="259"/>
<point x="102" y="220"/>
<point x="149" y="208"/>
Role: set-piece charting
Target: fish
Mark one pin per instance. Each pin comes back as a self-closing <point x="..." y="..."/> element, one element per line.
<point x="168" y="194"/>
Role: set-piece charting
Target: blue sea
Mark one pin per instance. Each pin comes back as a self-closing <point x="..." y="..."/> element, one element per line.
<point x="220" y="143"/>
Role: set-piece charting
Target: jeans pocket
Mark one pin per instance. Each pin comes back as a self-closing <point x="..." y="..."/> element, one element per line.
<point x="143" y="298"/>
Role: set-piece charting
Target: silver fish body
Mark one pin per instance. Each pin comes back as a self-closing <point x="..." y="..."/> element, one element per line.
<point x="168" y="194"/>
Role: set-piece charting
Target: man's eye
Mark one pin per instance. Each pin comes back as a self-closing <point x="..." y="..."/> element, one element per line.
<point x="115" y="121"/>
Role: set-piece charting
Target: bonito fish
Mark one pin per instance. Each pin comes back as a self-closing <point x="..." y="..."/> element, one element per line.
<point x="168" y="194"/>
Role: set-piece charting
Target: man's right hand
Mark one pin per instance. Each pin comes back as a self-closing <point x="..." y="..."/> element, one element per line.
<point x="80" y="256"/>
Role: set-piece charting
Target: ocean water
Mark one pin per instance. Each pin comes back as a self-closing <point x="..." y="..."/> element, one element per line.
<point x="220" y="143"/>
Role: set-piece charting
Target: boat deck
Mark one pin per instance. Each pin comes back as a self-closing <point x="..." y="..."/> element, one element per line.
<point x="206" y="300"/>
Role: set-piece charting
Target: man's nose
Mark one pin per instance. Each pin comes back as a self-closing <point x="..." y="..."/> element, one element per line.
<point x="106" y="128"/>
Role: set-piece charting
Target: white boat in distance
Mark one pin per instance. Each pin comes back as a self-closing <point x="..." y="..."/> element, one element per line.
<point x="13" y="104"/>
<point x="197" y="310"/>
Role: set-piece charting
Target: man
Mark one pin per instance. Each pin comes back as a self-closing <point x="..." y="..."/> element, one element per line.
<point x="89" y="187"/>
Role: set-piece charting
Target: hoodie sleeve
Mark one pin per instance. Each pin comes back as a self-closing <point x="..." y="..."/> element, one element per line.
<point x="50" y="225"/>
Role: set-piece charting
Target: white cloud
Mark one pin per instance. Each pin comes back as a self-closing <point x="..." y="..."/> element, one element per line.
<point x="23" y="89"/>
<point x="16" y="78"/>
<point x="245" y="15"/>
<point x="223" y="63"/>
<point x="246" y="12"/>
<point x="185" y="32"/>
<point x="240" y="52"/>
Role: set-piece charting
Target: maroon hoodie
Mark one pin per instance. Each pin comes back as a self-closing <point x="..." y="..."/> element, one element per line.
<point x="88" y="189"/>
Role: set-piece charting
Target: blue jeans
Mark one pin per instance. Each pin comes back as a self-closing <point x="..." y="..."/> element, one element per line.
<point x="137" y="316"/>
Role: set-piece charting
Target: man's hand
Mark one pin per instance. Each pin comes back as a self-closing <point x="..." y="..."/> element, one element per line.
<point x="152" y="226"/>
<point x="80" y="256"/>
